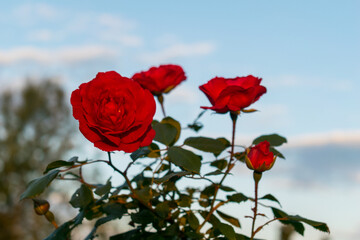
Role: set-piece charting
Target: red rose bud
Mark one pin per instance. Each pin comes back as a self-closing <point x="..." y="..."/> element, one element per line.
<point x="232" y="94"/>
<point x="162" y="79"/>
<point x="41" y="207"/>
<point x="259" y="158"/>
<point x="114" y="112"/>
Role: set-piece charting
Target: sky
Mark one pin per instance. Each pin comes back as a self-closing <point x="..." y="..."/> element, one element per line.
<point x="306" y="52"/>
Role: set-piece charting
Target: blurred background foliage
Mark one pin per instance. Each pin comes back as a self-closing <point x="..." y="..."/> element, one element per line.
<point x="34" y="130"/>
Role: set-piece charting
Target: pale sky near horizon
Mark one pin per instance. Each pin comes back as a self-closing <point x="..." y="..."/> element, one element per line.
<point x="307" y="53"/>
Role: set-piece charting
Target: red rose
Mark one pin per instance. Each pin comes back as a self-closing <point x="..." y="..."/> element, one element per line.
<point x="114" y="112"/>
<point x="160" y="79"/>
<point x="232" y="94"/>
<point x="259" y="158"/>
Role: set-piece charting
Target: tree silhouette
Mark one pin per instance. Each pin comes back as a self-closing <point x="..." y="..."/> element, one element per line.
<point x="34" y="130"/>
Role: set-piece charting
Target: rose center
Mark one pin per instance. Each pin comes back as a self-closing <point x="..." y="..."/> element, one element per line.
<point x="111" y="110"/>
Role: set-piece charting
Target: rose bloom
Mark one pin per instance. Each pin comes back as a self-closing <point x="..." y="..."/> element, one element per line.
<point x="232" y="94"/>
<point x="114" y="112"/>
<point x="162" y="79"/>
<point x="259" y="158"/>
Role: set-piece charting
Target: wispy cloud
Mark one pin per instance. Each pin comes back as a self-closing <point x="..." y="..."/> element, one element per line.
<point x="183" y="94"/>
<point x="178" y="51"/>
<point x="339" y="137"/>
<point x="30" y="13"/>
<point x="74" y="54"/>
<point x="310" y="82"/>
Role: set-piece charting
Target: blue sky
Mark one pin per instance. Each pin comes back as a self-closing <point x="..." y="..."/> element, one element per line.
<point x="307" y="53"/>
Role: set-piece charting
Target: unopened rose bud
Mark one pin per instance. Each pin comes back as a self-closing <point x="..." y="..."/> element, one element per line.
<point x="41" y="207"/>
<point x="259" y="158"/>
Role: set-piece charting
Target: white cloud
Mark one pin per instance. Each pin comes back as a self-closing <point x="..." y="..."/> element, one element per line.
<point x="310" y="82"/>
<point x="124" y="39"/>
<point x="63" y="55"/>
<point x="115" y="22"/>
<point x="178" y="50"/>
<point x="340" y="137"/>
<point x="183" y="94"/>
<point x="31" y="12"/>
<point x="42" y="35"/>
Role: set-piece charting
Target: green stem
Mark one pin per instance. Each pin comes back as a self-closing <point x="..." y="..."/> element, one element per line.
<point x="230" y="166"/>
<point x="257" y="177"/>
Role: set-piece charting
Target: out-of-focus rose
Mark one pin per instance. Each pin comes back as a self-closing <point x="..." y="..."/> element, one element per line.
<point x="114" y="112"/>
<point x="259" y="158"/>
<point x="162" y="79"/>
<point x="232" y="94"/>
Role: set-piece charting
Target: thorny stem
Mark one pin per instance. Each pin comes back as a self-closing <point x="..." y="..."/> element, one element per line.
<point x="230" y="166"/>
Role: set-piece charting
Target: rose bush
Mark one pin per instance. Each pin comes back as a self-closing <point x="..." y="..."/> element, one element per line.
<point x="114" y="112"/>
<point x="232" y="94"/>
<point x="162" y="79"/>
<point x="259" y="158"/>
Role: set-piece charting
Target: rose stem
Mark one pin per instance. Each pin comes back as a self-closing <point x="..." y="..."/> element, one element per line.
<point x="132" y="190"/>
<point x="230" y="166"/>
<point x="257" y="177"/>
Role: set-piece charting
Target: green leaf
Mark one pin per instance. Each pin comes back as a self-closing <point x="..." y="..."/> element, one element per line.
<point x="243" y="237"/>
<point x="226" y="188"/>
<point x="208" y="191"/>
<point x="151" y="151"/>
<point x="61" y="233"/>
<point x="206" y="144"/>
<point x="103" y="189"/>
<point x="165" y="133"/>
<point x="296" y="221"/>
<point x="58" y="164"/>
<point x="98" y="223"/>
<point x="271" y="198"/>
<point x="141" y="152"/>
<point x="167" y="177"/>
<point x="185" y="159"/>
<point x="184" y="200"/>
<point x="224" y="228"/>
<point x="220" y="164"/>
<point x="192" y="220"/>
<point x="227" y="230"/>
<point x="129" y="235"/>
<point x="174" y="123"/>
<point x="82" y="197"/>
<point x="162" y="209"/>
<point x="195" y="126"/>
<point x="317" y="225"/>
<point x="224" y="141"/>
<point x="277" y="153"/>
<point x="143" y="217"/>
<point x="228" y="218"/>
<point x="237" y="197"/>
<point x="216" y="172"/>
<point x="298" y="226"/>
<point x="275" y="140"/>
<point x="145" y="193"/>
<point x="37" y="186"/>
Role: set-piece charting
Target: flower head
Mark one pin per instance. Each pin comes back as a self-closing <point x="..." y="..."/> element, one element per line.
<point x="114" y="112"/>
<point x="232" y="94"/>
<point x="162" y="79"/>
<point x="259" y="158"/>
